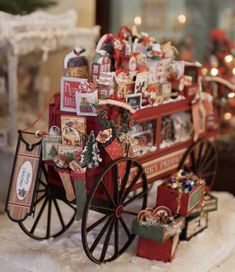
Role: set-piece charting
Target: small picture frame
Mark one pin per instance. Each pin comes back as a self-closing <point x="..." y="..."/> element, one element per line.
<point x="50" y="147"/>
<point x="85" y="103"/>
<point x="69" y="86"/>
<point x="69" y="153"/>
<point x="141" y="82"/>
<point x="135" y="100"/>
<point x="73" y="130"/>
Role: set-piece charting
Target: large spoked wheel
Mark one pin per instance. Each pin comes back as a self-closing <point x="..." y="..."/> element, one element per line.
<point x="106" y="225"/>
<point x="52" y="214"/>
<point x="201" y="158"/>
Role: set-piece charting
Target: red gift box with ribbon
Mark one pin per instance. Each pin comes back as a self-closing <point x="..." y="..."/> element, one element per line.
<point x="157" y="251"/>
<point x="180" y="202"/>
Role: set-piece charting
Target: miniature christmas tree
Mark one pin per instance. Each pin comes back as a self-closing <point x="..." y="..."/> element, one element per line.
<point x="53" y="152"/>
<point x="90" y="156"/>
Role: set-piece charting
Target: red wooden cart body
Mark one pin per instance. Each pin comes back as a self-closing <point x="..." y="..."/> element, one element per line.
<point x="157" y="164"/>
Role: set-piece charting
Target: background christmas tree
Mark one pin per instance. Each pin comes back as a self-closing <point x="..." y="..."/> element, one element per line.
<point x="24" y="6"/>
<point x="90" y="156"/>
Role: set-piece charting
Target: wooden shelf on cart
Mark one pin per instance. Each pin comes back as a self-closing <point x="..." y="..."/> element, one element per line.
<point x="149" y="113"/>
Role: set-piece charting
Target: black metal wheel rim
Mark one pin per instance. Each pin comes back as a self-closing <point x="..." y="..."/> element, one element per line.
<point x="109" y="234"/>
<point x="51" y="215"/>
<point x="201" y="158"/>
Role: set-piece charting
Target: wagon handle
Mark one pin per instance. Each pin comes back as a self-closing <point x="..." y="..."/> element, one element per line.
<point x="37" y="133"/>
<point x="221" y="81"/>
<point x="117" y="103"/>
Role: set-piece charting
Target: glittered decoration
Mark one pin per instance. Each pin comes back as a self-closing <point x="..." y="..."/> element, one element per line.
<point x="90" y="156"/>
<point x="184" y="181"/>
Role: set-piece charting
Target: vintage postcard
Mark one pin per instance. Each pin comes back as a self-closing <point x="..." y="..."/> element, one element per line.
<point x="85" y="103"/>
<point x="69" y="153"/>
<point x="73" y="130"/>
<point x="68" y="88"/>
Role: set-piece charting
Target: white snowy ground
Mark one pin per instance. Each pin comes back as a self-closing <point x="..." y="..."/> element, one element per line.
<point x="212" y="250"/>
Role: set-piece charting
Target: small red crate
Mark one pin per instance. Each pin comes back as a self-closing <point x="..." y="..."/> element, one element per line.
<point x="186" y="202"/>
<point x="157" y="251"/>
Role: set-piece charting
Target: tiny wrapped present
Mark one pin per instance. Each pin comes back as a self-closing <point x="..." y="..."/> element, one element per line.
<point x="210" y="205"/>
<point x="152" y="250"/>
<point x="181" y="193"/>
<point x="194" y="225"/>
<point x="157" y="224"/>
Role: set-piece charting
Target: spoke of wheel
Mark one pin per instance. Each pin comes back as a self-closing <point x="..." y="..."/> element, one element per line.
<point x="207" y="154"/>
<point x="49" y="218"/>
<point x="192" y="155"/>
<point x="106" y="241"/>
<point x="39" y="199"/>
<point x="105" y="209"/>
<point x="208" y="174"/>
<point x="70" y="205"/>
<point x="59" y="213"/>
<point x="116" y="238"/>
<point x="132" y="184"/>
<point x="95" y="243"/>
<point x="102" y="219"/>
<point x="39" y="216"/>
<point x="108" y="193"/>
<point x="130" y="212"/>
<point x="115" y="184"/>
<point x="125" y="179"/>
<point x="208" y="164"/>
<point x="41" y="190"/>
<point x="125" y="227"/>
<point x="200" y="155"/>
<point x="134" y="198"/>
<point x="43" y="183"/>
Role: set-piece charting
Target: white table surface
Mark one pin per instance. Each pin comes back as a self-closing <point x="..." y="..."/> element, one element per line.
<point x="211" y="250"/>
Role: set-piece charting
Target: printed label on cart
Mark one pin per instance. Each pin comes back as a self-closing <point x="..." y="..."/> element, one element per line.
<point x="24" y="180"/>
<point x="163" y="164"/>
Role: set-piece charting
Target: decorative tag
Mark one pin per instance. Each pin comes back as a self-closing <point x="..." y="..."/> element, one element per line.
<point x="199" y="119"/>
<point x="23" y="180"/>
<point x="115" y="151"/>
<point x="69" y="191"/>
<point x="50" y="147"/>
<point x="80" y="191"/>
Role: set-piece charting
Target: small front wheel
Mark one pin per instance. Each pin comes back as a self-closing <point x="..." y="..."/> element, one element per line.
<point x="52" y="215"/>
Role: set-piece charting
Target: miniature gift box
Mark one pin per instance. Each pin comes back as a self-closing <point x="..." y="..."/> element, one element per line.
<point x="178" y="198"/>
<point x="194" y="225"/>
<point x="152" y="250"/>
<point x="159" y="234"/>
<point x="210" y="205"/>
